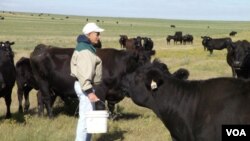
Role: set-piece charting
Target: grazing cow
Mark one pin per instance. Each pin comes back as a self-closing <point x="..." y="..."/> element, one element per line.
<point x="217" y="43"/>
<point x="172" y="26"/>
<point x="232" y="33"/>
<point x="190" y="110"/>
<point x="7" y="73"/>
<point x="238" y="58"/>
<point x="169" y="38"/>
<point x="187" y="39"/>
<point x="51" y="69"/>
<point x="25" y="82"/>
<point x="122" y="40"/>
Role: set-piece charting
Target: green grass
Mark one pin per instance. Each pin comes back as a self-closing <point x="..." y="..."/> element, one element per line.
<point x="137" y="123"/>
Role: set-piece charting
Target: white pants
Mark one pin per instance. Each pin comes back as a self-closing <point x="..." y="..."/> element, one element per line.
<point x="84" y="106"/>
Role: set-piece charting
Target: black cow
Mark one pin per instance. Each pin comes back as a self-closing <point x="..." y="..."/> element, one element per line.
<point x="169" y="38"/>
<point x="148" y="44"/>
<point x="133" y="43"/>
<point x="25" y="82"/>
<point x="238" y="58"/>
<point x="51" y="69"/>
<point x="172" y="26"/>
<point x="187" y="39"/>
<point x="190" y="110"/>
<point x="232" y="33"/>
<point x="7" y="73"/>
<point x="178" y="37"/>
<point x="217" y="43"/>
<point x="7" y="47"/>
<point x="122" y="40"/>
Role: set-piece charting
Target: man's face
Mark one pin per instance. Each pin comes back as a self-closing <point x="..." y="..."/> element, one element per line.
<point x="94" y="37"/>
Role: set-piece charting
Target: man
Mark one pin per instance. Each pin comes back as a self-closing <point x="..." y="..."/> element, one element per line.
<point x="86" y="67"/>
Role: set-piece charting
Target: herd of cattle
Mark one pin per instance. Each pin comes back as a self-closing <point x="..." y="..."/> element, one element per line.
<point x="190" y="110"/>
<point x="178" y="37"/>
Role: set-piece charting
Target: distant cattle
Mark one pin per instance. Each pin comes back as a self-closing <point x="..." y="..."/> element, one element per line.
<point x="191" y="110"/>
<point x="148" y="44"/>
<point x="215" y="43"/>
<point x="238" y="58"/>
<point x="232" y="33"/>
<point x="187" y="39"/>
<point x="178" y="37"/>
<point x="7" y="73"/>
<point x="172" y="26"/>
<point x="169" y="38"/>
<point x="122" y="40"/>
<point x="133" y="43"/>
<point x="25" y="82"/>
<point x="51" y="69"/>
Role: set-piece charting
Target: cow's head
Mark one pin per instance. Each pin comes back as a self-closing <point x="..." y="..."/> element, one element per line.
<point x="205" y="40"/>
<point x="6" y="46"/>
<point x="142" y="84"/>
<point x="239" y="52"/>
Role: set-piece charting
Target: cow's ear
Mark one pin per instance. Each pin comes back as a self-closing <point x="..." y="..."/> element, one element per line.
<point x="181" y="74"/>
<point x="154" y="79"/>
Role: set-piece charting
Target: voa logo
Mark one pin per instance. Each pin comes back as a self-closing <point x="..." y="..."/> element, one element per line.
<point x="236" y="132"/>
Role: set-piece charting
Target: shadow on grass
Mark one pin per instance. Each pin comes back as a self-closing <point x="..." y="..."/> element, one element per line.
<point x="116" y="135"/>
<point x="20" y="117"/>
<point x="126" y="116"/>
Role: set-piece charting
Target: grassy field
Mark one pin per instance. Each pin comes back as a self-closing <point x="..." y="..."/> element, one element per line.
<point x="28" y="30"/>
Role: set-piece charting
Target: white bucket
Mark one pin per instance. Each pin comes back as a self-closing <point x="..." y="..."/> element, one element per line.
<point x="97" y="121"/>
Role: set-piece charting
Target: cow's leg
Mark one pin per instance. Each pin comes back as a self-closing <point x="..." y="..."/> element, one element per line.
<point x="26" y="97"/>
<point x="53" y="99"/>
<point x="111" y="107"/>
<point x="45" y="97"/>
<point x="20" y="99"/>
<point x="40" y="104"/>
<point x="211" y="51"/>
<point x="8" y="102"/>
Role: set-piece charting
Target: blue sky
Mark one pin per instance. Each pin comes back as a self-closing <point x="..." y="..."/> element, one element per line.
<point x="235" y="10"/>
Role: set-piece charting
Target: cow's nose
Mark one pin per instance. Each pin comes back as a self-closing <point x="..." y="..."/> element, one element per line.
<point x="237" y="63"/>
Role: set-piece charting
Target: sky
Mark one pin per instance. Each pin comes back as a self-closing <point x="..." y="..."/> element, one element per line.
<point x="226" y="10"/>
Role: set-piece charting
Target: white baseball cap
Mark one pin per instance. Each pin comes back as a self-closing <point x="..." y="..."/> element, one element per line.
<point x="91" y="27"/>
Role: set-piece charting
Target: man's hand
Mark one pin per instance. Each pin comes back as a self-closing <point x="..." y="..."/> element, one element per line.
<point x="92" y="97"/>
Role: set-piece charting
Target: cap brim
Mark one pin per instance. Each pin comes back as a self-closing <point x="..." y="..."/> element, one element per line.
<point x="99" y="30"/>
